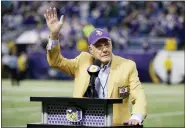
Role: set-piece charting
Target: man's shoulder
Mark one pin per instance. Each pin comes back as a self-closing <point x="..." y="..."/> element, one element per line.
<point x="124" y="60"/>
<point x="85" y="55"/>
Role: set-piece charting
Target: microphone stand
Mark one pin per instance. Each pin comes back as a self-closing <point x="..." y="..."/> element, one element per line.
<point x="93" y="92"/>
<point x="93" y="72"/>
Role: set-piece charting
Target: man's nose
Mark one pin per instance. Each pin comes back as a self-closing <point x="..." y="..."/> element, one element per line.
<point x="104" y="49"/>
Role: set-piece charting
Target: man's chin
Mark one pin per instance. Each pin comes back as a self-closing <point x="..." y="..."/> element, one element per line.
<point x="105" y="60"/>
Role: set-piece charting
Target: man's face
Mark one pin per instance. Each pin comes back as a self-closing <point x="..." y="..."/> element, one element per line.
<point x="102" y="50"/>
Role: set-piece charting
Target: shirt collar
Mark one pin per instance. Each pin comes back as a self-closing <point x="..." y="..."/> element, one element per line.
<point x="106" y="65"/>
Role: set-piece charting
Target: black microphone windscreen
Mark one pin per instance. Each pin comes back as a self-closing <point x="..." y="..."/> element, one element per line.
<point x="97" y="62"/>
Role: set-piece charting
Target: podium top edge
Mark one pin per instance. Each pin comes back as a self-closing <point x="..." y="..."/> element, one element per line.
<point x="72" y="99"/>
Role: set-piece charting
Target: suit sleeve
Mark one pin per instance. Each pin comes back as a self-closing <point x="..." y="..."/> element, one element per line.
<point x="56" y="60"/>
<point x="137" y="93"/>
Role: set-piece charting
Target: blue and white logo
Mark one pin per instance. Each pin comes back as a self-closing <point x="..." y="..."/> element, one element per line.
<point x="98" y="32"/>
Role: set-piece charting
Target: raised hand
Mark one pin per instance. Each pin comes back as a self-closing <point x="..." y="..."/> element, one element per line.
<point x="52" y="22"/>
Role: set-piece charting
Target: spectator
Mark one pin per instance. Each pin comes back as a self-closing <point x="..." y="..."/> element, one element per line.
<point x="151" y="18"/>
<point x="22" y="65"/>
<point x="12" y="64"/>
<point x="168" y="66"/>
<point x="82" y="45"/>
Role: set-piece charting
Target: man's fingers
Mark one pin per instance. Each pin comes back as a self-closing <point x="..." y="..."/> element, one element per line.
<point x="128" y="122"/>
<point x="47" y="13"/>
<point x="54" y="12"/>
<point x="61" y="19"/>
<point x="46" y="17"/>
<point x="132" y="122"/>
<point x="50" y="12"/>
<point x="140" y="123"/>
<point x="136" y="122"/>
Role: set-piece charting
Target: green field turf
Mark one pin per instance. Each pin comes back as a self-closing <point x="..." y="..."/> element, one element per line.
<point x="165" y="104"/>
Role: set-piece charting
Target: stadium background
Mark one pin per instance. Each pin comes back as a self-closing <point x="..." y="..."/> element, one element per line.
<point x="146" y="32"/>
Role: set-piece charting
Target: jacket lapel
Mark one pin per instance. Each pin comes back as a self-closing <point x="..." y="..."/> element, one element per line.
<point x="86" y="84"/>
<point x="112" y="75"/>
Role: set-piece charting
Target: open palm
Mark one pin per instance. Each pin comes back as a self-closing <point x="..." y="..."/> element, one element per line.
<point x="52" y="21"/>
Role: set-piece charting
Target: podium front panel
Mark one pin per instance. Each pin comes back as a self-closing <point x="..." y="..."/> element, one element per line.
<point x="92" y="116"/>
<point x="65" y="111"/>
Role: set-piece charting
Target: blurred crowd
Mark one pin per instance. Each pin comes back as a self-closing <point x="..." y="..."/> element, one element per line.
<point x="142" y="25"/>
<point x="124" y="20"/>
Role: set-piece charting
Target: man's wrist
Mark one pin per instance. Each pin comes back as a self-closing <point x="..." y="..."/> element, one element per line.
<point x="52" y="44"/>
<point x="54" y="36"/>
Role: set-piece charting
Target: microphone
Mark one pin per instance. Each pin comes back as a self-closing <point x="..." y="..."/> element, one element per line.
<point x="93" y="71"/>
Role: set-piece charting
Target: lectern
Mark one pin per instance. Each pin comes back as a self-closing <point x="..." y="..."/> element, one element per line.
<point x="59" y="112"/>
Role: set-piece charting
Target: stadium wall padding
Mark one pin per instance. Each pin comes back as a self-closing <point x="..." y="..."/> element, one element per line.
<point x="38" y="67"/>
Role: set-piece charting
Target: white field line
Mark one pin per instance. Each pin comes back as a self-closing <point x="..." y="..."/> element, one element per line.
<point x="14" y="127"/>
<point x="27" y="99"/>
<point x="25" y="109"/>
<point x="166" y="100"/>
<point x="39" y="109"/>
<point x="16" y="99"/>
<point x="69" y="90"/>
<point x="156" y="115"/>
<point x="165" y="92"/>
<point x="150" y="116"/>
<point x="20" y="126"/>
<point x="66" y="89"/>
<point x="37" y="89"/>
<point x="10" y="110"/>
